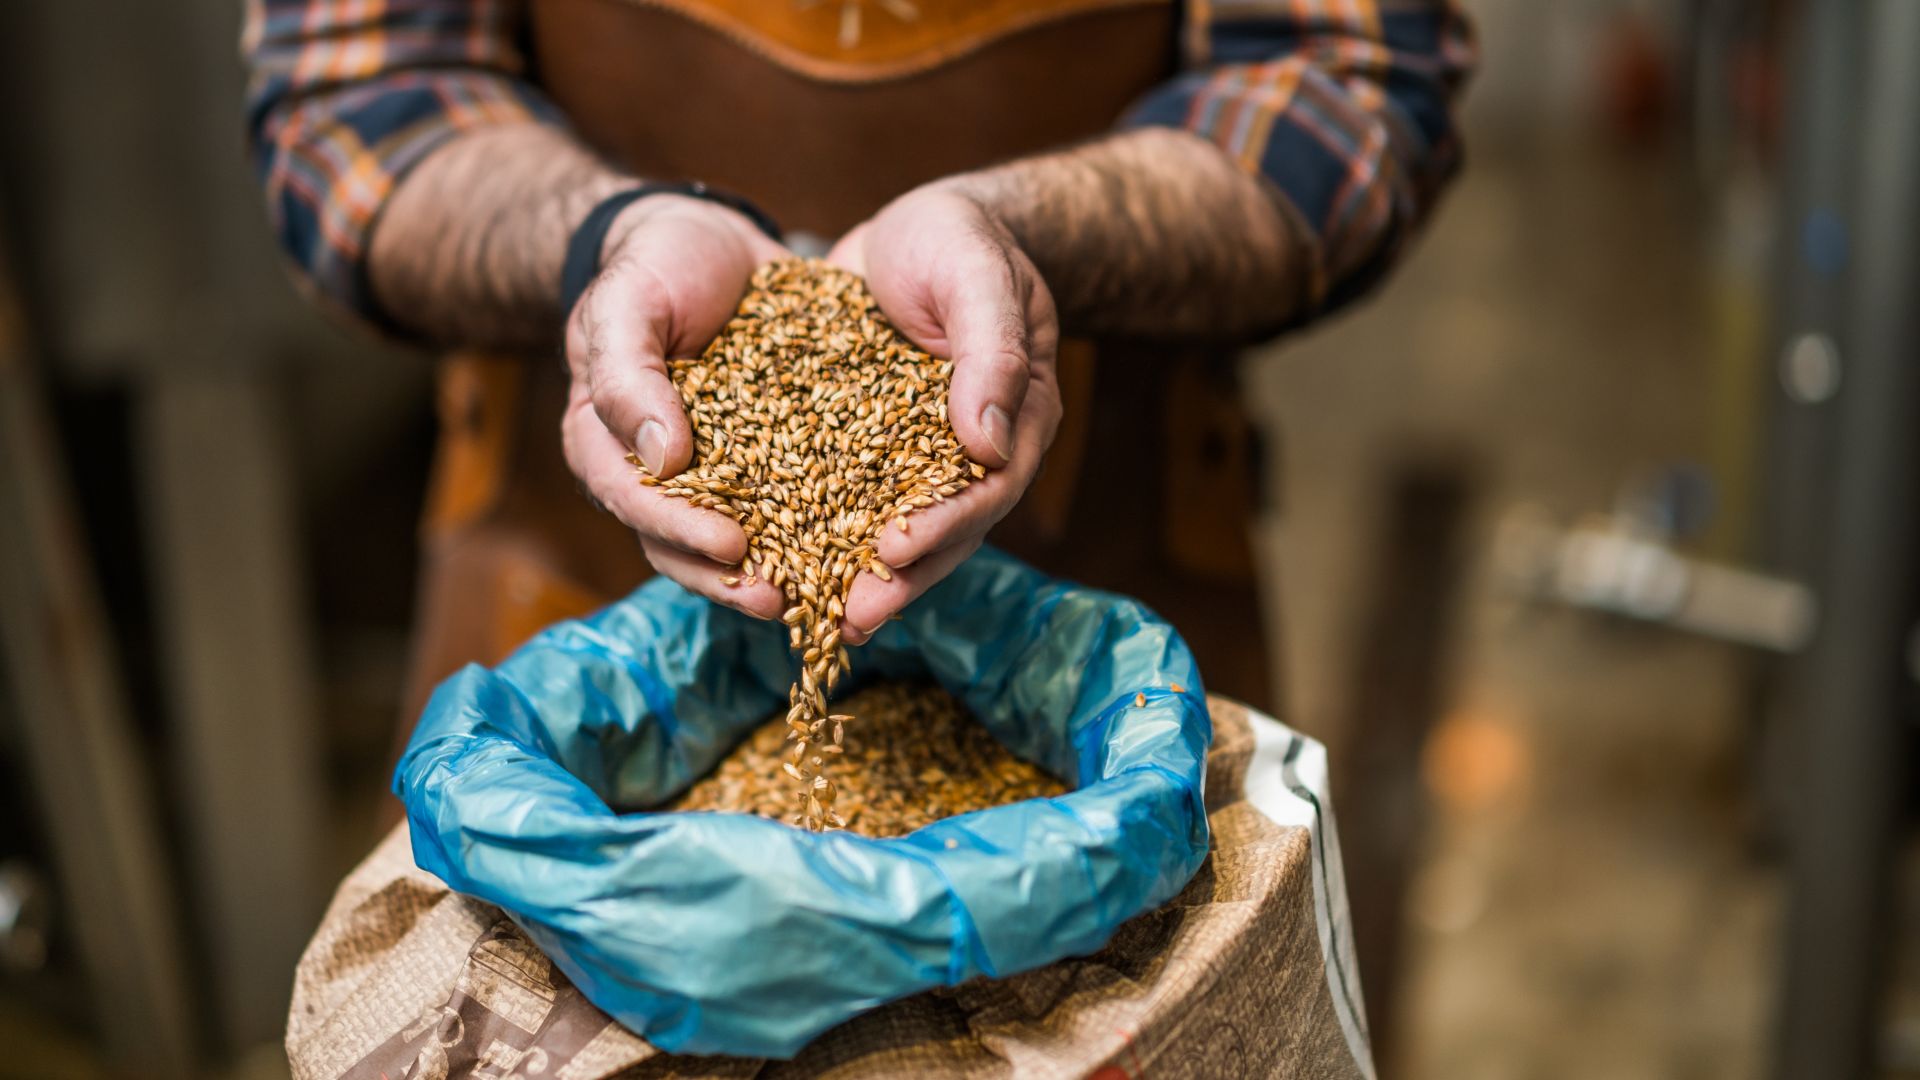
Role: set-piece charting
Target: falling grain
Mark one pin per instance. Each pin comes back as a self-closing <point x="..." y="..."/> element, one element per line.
<point x="815" y="423"/>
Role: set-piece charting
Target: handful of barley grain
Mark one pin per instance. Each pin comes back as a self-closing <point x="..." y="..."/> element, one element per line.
<point x="815" y="426"/>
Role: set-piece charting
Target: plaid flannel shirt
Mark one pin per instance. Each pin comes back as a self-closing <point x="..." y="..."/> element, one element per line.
<point x="1344" y="105"/>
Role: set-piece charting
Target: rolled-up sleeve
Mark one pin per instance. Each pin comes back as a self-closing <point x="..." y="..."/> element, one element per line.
<point x="344" y="96"/>
<point x="1347" y="106"/>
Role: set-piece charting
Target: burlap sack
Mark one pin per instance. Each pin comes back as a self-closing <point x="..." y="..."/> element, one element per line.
<point x="1248" y="972"/>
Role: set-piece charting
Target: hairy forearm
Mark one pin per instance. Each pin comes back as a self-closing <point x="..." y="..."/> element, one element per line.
<point x="468" y="249"/>
<point x="1152" y="232"/>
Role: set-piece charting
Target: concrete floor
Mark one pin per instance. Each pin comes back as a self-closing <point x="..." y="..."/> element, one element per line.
<point x="1589" y="903"/>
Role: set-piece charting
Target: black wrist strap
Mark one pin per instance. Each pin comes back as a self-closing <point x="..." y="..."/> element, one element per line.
<point x="583" y="248"/>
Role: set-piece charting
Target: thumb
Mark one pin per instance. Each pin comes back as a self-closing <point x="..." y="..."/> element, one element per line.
<point x="986" y="327"/>
<point x="616" y="355"/>
<point x="850" y="253"/>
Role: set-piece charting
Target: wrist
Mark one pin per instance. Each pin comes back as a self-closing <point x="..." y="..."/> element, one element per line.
<point x="655" y="208"/>
<point x="992" y="192"/>
<point x="1013" y="201"/>
<point x="1061" y="204"/>
<point x="596" y="241"/>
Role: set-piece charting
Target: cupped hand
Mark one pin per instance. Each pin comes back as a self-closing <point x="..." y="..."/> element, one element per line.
<point x="673" y="270"/>
<point x="954" y="280"/>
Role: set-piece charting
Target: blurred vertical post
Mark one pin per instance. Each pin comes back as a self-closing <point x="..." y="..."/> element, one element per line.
<point x="1398" y="692"/>
<point x="239" y="674"/>
<point x="1810" y="287"/>
<point x="235" y="621"/>
<point x="1853" y="689"/>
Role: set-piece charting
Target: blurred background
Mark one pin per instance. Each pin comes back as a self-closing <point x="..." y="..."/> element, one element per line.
<point x="1593" y="541"/>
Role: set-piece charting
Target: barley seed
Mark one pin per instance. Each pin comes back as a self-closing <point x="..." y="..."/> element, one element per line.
<point x="815" y="424"/>
<point x="920" y="758"/>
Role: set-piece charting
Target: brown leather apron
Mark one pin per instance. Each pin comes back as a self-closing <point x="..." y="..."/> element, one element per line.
<point x="821" y="111"/>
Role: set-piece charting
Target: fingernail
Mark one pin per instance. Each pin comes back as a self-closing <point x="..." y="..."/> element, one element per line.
<point x="651" y="445"/>
<point x="999" y="430"/>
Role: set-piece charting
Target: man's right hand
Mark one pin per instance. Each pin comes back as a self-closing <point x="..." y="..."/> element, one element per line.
<point x="672" y="272"/>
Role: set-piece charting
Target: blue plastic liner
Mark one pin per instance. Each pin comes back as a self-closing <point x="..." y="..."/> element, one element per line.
<point x="729" y="934"/>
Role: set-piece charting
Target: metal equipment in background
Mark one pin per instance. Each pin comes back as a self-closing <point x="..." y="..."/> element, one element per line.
<point x="1631" y="564"/>
<point x="1842" y="514"/>
<point x="1832" y="599"/>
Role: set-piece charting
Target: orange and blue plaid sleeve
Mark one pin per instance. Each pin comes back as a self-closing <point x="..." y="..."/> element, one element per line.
<point x="345" y="95"/>
<point x="1347" y="106"/>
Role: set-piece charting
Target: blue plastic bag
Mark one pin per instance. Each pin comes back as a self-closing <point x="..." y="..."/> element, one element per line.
<point x="725" y="933"/>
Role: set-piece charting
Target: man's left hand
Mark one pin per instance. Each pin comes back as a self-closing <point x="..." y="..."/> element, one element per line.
<point x="951" y="277"/>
